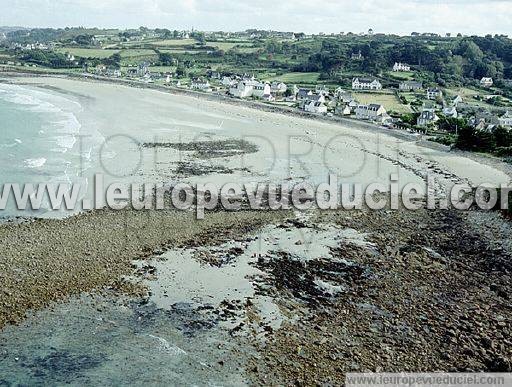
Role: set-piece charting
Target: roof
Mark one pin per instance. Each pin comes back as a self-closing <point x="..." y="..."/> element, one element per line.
<point x="304" y="92"/>
<point x="428" y="115"/>
<point x="314" y="97"/>
<point x="375" y="106"/>
<point x="365" y="80"/>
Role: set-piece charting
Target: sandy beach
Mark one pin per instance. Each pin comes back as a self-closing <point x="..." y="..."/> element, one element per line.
<point x="251" y="295"/>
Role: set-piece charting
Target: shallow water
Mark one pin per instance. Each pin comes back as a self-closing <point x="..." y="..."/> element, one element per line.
<point x="40" y="141"/>
<point x="99" y="340"/>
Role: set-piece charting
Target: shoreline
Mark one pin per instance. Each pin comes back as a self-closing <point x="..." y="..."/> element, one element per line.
<point x="418" y="139"/>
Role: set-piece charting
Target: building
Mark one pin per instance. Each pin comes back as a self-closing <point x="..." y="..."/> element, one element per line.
<point x="200" y="84"/>
<point x="315" y="98"/>
<point x="303" y="94"/>
<point x="357" y="56"/>
<point x="100" y="69"/>
<point x="401" y="67"/>
<point x="427" y="118"/>
<point x="410" y="86"/>
<point x="113" y="72"/>
<point x="228" y="81"/>
<point x="366" y="84"/>
<point x="343" y="110"/>
<point x="458" y="99"/>
<point x="242" y="89"/>
<point x="486" y="82"/>
<point x="385" y="119"/>
<point x="434" y="93"/>
<point x="260" y="89"/>
<point x="369" y="112"/>
<point x="143" y="69"/>
<point x="315" y="107"/>
<point x="484" y="120"/>
<point x="322" y="89"/>
<point x="506" y="119"/>
<point x="343" y="95"/>
<point x="278" y="88"/>
<point x="450" y="111"/>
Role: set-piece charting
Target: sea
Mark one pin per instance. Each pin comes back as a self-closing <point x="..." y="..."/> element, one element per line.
<point x="39" y="143"/>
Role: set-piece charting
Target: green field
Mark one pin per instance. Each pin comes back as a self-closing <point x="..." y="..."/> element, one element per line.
<point x="389" y="101"/>
<point x="298" y="78"/>
<point x="88" y="52"/>
<point x="226" y="46"/>
<point x="174" y="42"/>
<point x="401" y="76"/>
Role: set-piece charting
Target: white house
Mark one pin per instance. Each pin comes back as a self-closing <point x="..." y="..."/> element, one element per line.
<point x="322" y="89"/>
<point x="228" y="81"/>
<point x="369" y="112"/>
<point x="315" y="107"/>
<point x="366" y="84"/>
<point x="242" y="89"/>
<point x="100" y="69"/>
<point x="458" y="99"/>
<point x="343" y="110"/>
<point x="200" y="84"/>
<point x="278" y="87"/>
<point x="268" y="98"/>
<point x="260" y="89"/>
<point x="434" y="93"/>
<point x="113" y="72"/>
<point x="356" y="56"/>
<point x="427" y="117"/>
<point x="450" y="111"/>
<point x="344" y="96"/>
<point x="401" y="67"/>
<point x="486" y="82"/>
<point x="506" y="119"/>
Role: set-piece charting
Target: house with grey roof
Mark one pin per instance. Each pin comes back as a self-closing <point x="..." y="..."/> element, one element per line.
<point x="410" y="86"/>
<point x="427" y="117"/>
<point x="369" y="112"/>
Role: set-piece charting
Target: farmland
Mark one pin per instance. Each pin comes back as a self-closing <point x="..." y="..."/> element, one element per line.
<point x="389" y="100"/>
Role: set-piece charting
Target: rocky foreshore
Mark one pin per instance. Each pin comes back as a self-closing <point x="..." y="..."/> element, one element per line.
<point x="49" y="260"/>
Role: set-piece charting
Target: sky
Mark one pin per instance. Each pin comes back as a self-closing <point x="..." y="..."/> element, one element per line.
<point x="478" y="17"/>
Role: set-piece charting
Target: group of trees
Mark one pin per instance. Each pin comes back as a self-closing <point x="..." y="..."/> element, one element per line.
<point x="452" y="60"/>
<point x="498" y="141"/>
<point x="47" y="59"/>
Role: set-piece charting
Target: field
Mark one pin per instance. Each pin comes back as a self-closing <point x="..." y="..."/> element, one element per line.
<point x="401" y="76"/>
<point x="135" y="56"/>
<point x="174" y="43"/>
<point x="468" y="95"/>
<point x="88" y="52"/>
<point x="226" y="46"/>
<point x="298" y="78"/>
<point x="389" y="101"/>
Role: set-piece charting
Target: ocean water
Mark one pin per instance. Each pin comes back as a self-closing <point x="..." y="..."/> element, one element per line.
<point x="39" y="135"/>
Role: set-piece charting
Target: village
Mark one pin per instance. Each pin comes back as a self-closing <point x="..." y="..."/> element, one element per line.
<point x="364" y="100"/>
<point x="242" y="66"/>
